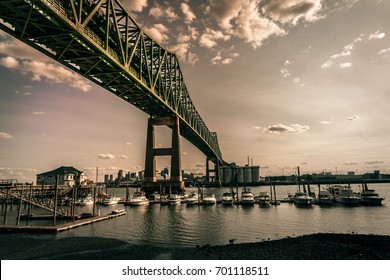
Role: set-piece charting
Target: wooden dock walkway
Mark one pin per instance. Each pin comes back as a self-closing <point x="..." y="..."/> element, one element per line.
<point x="61" y="227"/>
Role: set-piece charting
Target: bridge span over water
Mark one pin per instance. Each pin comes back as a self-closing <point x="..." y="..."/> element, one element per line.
<point x="101" y="41"/>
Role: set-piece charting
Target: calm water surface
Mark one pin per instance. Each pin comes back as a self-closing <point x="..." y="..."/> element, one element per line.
<point x="188" y="226"/>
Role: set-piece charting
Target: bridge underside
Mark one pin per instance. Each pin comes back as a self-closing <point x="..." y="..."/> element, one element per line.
<point x="101" y="41"/>
<point x="150" y="181"/>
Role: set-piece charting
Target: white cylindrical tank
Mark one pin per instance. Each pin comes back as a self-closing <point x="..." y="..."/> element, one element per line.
<point x="255" y="174"/>
<point x="247" y="174"/>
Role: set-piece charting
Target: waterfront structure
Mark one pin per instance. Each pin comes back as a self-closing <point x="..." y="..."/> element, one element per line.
<point x="101" y="41"/>
<point x="240" y="174"/>
<point x="67" y="176"/>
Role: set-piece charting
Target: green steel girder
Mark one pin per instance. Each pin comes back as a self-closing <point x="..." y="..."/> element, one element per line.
<point x="101" y="41"/>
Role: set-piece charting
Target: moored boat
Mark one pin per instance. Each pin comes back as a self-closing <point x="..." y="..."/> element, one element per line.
<point x="247" y="197"/>
<point x="227" y="199"/>
<point x="370" y="197"/>
<point x="193" y="198"/>
<point x="344" y="195"/>
<point x="173" y="199"/>
<point x="264" y="199"/>
<point x="209" y="199"/>
<point x="138" y="199"/>
<point x="110" y="200"/>
<point x="86" y="201"/>
<point x="302" y="198"/>
<point x="324" y="198"/>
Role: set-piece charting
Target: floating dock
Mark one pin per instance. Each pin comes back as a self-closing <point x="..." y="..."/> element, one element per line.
<point x="61" y="227"/>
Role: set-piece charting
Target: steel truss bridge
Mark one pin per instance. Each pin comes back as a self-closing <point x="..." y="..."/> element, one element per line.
<point x="101" y="41"/>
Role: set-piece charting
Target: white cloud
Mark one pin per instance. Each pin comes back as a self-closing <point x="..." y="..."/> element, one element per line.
<point x="210" y="37"/>
<point x="345" y="65"/>
<point x="291" y="11"/>
<point x="384" y="51"/>
<point x="135" y="5"/>
<point x="159" y="12"/>
<point x="188" y="13"/>
<point x="124" y="157"/>
<point x="327" y="64"/>
<point x="105" y="156"/>
<point x="5" y="135"/>
<point x="46" y="71"/>
<point x="285" y="73"/>
<point x="158" y="32"/>
<point x="39" y="113"/>
<point x="326" y="122"/>
<point x="286" y="129"/>
<point x="377" y="35"/>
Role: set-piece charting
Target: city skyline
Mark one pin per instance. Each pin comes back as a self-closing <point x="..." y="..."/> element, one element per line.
<point x="285" y="83"/>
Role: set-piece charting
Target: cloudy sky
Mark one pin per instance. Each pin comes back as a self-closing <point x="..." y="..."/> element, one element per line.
<point x="285" y="82"/>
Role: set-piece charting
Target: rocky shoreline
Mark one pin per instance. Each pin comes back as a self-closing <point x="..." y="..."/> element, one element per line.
<point x="321" y="246"/>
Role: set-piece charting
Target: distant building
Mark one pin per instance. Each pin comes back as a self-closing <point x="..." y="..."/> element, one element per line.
<point x="67" y="175"/>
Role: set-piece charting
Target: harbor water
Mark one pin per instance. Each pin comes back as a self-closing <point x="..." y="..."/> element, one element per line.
<point x="188" y="226"/>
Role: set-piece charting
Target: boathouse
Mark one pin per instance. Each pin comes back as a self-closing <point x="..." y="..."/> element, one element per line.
<point x="67" y="176"/>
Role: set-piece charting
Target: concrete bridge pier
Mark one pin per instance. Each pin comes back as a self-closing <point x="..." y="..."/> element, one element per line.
<point x="212" y="174"/>
<point x="150" y="181"/>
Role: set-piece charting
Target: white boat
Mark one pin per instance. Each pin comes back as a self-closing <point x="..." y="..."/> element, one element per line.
<point x="227" y="199"/>
<point x="209" y="199"/>
<point x="173" y="199"/>
<point x="324" y="197"/>
<point x="264" y="199"/>
<point x="247" y="197"/>
<point x="155" y="198"/>
<point x="301" y="198"/>
<point x="110" y="200"/>
<point x="193" y="198"/>
<point x="138" y="199"/>
<point x="370" y="197"/>
<point x="86" y="201"/>
<point x="344" y="195"/>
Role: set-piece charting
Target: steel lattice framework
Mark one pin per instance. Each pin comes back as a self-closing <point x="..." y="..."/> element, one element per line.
<point x="101" y="41"/>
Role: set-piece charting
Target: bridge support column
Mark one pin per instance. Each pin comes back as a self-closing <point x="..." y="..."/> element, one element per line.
<point x="212" y="175"/>
<point x="150" y="181"/>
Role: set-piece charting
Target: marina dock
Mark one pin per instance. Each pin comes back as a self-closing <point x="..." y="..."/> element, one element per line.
<point x="62" y="227"/>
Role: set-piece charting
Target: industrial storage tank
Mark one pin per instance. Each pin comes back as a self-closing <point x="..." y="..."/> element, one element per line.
<point x="255" y="174"/>
<point x="227" y="175"/>
<point x="247" y="174"/>
<point x="240" y="175"/>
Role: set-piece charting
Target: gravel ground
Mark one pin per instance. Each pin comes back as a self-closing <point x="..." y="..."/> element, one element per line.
<point x="322" y="246"/>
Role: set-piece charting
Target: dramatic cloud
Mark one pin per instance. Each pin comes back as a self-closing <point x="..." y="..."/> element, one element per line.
<point x="160" y="12"/>
<point x="135" y="5"/>
<point x="291" y="11"/>
<point x="243" y="19"/>
<point x="42" y="71"/>
<point x="105" y="156"/>
<point x="188" y="13"/>
<point x="210" y="37"/>
<point x="286" y="129"/>
<point x="158" y="32"/>
<point x="5" y="135"/>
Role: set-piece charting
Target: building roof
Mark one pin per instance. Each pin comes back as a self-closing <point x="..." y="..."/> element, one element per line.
<point x="61" y="171"/>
